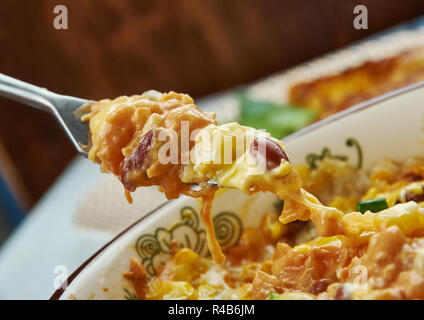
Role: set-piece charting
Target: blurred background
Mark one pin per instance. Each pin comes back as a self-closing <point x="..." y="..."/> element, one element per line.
<point x="200" y="47"/>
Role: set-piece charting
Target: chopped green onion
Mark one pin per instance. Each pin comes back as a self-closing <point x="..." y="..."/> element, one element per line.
<point x="375" y="205"/>
<point x="274" y="296"/>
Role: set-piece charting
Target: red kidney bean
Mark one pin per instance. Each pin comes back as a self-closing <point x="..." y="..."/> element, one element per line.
<point x="319" y="286"/>
<point x="136" y="159"/>
<point x="273" y="152"/>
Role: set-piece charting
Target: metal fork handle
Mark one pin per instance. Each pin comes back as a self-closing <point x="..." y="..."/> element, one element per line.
<point x="61" y="106"/>
<point x="28" y="94"/>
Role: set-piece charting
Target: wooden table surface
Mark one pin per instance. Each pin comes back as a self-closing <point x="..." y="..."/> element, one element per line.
<point x="115" y="47"/>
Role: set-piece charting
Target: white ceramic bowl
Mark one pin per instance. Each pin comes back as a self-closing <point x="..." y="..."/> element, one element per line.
<point x="390" y="126"/>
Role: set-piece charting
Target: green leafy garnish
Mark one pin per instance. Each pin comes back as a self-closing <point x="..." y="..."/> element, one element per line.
<point x="375" y="205"/>
<point x="278" y="120"/>
<point x="274" y="296"/>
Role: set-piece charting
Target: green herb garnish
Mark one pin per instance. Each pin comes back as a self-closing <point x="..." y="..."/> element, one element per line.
<point x="274" y="296"/>
<point x="278" y="120"/>
<point x="375" y="205"/>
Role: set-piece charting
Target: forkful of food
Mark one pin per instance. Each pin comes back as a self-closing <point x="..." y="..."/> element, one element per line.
<point x="125" y="136"/>
<point x="164" y="139"/>
<point x="120" y="125"/>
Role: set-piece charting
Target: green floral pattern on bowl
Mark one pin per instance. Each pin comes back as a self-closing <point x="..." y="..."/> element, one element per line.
<point x="155" y="249"/>
<point x="312" y="158"/>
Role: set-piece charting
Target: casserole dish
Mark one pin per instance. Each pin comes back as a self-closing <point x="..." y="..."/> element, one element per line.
<point x="390" y="126"/>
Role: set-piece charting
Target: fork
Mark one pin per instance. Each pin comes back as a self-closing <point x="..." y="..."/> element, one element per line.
<point x="66" y="109"/>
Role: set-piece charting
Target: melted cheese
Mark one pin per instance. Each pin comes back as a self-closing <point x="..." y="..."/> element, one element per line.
<point x="219" y="154"/>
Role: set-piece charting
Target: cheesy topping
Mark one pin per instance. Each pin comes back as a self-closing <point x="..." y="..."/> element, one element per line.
<point x="221" y="154"/>
<point x="135" y="138"/>
<point x="381" y="256"/>
<point x="141" y="139"/>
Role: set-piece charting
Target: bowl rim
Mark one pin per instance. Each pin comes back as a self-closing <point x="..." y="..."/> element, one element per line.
<point x="59" y="292"/>
<point x="356" y="108"/>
